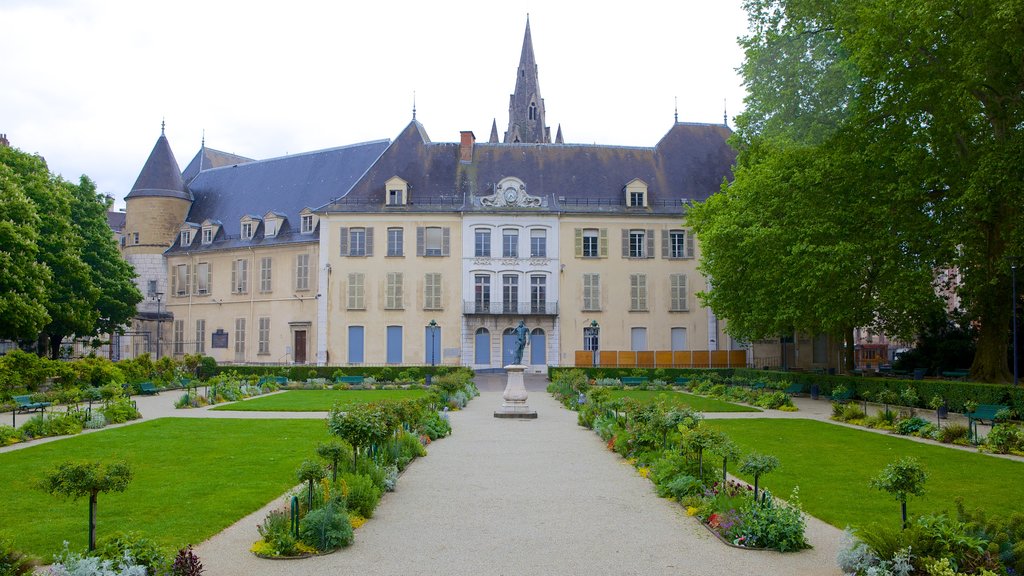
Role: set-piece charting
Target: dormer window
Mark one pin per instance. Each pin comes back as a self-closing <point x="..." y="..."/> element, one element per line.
<point x="246" y="230"/>
<point x="186" y="238"/>
<point x="270" y="229"/>
<point x="207" y="235"/>
<point x="209" y="230"/>
<point x="636" y="193"/>
<point x="396" y="192"/>
<point x="272" y="223"/>
<point x="307" y="223"/>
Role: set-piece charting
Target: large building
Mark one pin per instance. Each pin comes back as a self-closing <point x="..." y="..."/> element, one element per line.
<point x="418" y="252"/>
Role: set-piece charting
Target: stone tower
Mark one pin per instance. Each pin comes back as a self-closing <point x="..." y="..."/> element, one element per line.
<point x="155" y="209"/>
<point x="526" y="107"/>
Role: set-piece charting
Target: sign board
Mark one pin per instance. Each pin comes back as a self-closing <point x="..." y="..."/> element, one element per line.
<point x="220" y="339"/>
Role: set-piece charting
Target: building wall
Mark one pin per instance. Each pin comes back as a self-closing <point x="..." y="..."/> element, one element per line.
<point x="375" y="317"/>
<point x="289" y="309"/>
<point x="614" y="316"/>
<point x="156" y="220"/>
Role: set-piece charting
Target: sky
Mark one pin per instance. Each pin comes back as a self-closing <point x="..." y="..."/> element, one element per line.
<point x="87" y="83"/>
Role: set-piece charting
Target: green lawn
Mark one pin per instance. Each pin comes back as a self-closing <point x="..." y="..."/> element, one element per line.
<point x="832" y="465"/>
<point x="317" y="400"/>
<point x="192" y="479"/>
<point x="699" y="403"/>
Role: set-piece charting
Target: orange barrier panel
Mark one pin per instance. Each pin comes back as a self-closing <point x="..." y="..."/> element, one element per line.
<point x="700" y="358"/>
<point x="738" y="358"/>
<point x="627" y="359"/>
<point x="719" y="358"/>
<point x="609" y="358"/>
<point x="663" y="359"/>
<point x="645" y="359"/>
<point x="682" y="358"/>
<point x="584" y="358"/>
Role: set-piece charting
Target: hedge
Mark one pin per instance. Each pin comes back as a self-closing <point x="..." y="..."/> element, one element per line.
<point x="303" y="373"/>
<point x="666" y="374"/>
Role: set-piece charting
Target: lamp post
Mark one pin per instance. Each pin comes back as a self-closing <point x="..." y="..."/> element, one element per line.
<point x="159" y="320"/>
<point x="1013" y="305"/>
<point x="595" y="330"/>
<point x="432" y="327"/>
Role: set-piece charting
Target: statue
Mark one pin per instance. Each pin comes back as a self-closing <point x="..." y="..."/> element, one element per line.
<point x="522" y="334"/>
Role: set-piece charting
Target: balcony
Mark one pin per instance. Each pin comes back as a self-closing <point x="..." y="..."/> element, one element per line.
<point x="510" y="308"/>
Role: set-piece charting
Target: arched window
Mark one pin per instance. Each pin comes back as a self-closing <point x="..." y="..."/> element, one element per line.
<point x="538" y="348"/>
<point x="533" y="110"/>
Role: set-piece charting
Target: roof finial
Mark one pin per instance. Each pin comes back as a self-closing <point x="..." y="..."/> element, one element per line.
<point x="203" y="143"/>
<point x="725" y="112"/>
<point x="677" y="108"/>
<point x="162" y="123"/>
<point x="414" y="105"/>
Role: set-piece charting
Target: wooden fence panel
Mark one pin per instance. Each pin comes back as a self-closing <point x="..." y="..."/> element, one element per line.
<point x="645" y="359"/>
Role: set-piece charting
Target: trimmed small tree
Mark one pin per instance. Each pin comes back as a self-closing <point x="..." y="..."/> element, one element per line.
<point x="311" y="471"/>
<point x="728" y="450"/>
<point x="333" y="451"/>
<point x="903" y="478"/>
<point x="700" y="439"/>
<point x="758" y="465"/>
<point x="76" y="479"/>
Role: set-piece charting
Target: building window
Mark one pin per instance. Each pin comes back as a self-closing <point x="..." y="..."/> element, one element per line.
<point x="203" y="278"/>
<point x="678" y="300"/>
<point x="151" y="288"/>
<point x="591" y="335"/>
<point x="533" y="110"/>
<point x="239" y="337"/>
<point x="638" y="339"/>
<point x="246" y="230"/>
<point x="186" y="238"/>
<point x="264" y="336"/>
<point x="307" y="223"/>
<point x="200" y="336"/>
<point x="270" y="228"/>
<point x="396" y="241"/>
<point x="591" y="292"/>
<point x="182" y="279"/>
<point x="589" y="239"/>
<point x="240" y="276"/>
<point x="433" y="241"/>
<point x="638" y="292"/>
<point x="636" y="244"/>
<point x="207" y="235"/>
<point x="538" y="243"/>
<point x="510" y="293"/>
<point x="510" y="243"/>
<point x="266" y="274"/>
<point x="636" y="199"/>
<point x="302" y="272"/>
<point x="482" y="243"/>
<point x="432" y="291"/>
<point x="393" y="296"/>
<point x="538" y="294"/>
<point x="135" y="237"/>
<point x="356" y="300"/>
<point x="395" y="198"/>
<point x="179" y="337"/>
<point x="677" y="244"/>
<point x="482" y="292"/>
<point x="357" y="242"/>
<point x="678" y="336"/>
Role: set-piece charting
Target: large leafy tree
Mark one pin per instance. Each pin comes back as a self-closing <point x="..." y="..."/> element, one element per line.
<point x="22" y="277"/>
<point x="881" y="139"/>
<point x="110" y="273"/>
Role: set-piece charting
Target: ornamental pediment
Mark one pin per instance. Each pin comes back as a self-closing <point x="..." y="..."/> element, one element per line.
<point x="511" y="193"/>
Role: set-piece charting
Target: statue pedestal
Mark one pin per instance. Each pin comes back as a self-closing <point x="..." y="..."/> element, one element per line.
<point x="515" y="395"/>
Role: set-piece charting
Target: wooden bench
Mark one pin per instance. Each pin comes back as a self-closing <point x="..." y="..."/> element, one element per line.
<point x="349" y="379"/>
<point x="24" y="403"/>
<point x="682" y="381"/>
<point x="279" y="380"/>
<point x="982" y="413"/>
<point x="633" y="380"/>
<point x="794" y="389"/>
<point x="956" y="374"/>
<point x="148" y="388"/>
<point x="758" y="386"/>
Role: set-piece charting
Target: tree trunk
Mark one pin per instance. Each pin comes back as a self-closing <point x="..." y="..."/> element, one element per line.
<point x="848" y="359"/>
<point x="990" y="357"/>
<point x="55" y="340"/>
<point x="92" y="522"/>
<point x="903" y="505"/>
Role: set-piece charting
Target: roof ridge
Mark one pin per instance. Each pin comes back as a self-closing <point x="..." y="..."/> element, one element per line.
<point x="301" y="154"/>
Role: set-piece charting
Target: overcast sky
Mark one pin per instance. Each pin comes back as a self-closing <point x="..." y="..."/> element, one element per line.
<point x="86" y="83"/>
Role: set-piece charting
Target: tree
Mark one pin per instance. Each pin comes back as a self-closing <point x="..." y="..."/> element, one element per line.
<point x="880" y="142"/>
<point x="77" y="479"/>
<point x="112" y="275"/>
<point x="728" y="450"/>
<point x="903" y="478"/>
<point x="22" y="277"/>
<point x="357" y="425"/>
<point x="71" y="298"/>
<point x="700" y="439"/>
<point x="311" y="471"/>
<point x="758" y="465"/>
<point x="333" y="451"/>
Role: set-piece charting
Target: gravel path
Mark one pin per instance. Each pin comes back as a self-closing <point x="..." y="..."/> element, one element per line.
<point x="536" y="497"/>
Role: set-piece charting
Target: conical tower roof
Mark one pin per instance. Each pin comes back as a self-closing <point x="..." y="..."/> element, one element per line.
<point x="160" y="176"/>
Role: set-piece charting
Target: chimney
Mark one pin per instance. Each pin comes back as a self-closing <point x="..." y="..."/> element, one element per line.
<point x="466" y="147"/>
<point x="4" y="142"/>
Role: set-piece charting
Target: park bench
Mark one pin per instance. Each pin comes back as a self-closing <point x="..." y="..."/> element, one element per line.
<point x="844" y="396"/>
<point x="982" y="413"/>
<point x="794" y="389"/>
<point x="24" y="403"/>
<point x="148" y="388"/>
<point x="956" y="374"/>
<point x="279" y="380"/>
<point x="758" y="386"/>
<point x="682" y="381"/>
<point x="633" y="380"/>
<point x="349" y="379"/>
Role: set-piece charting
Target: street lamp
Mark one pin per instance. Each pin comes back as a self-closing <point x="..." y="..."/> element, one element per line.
<point x="159" y="319"/>
<point x="594" y="330"/>
<point x="432" y="327"/>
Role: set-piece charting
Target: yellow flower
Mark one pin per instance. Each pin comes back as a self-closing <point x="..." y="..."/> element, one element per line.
<point x="690" y="510"/>
<point x="644" y="471"/>
<point x="356" y="520"/>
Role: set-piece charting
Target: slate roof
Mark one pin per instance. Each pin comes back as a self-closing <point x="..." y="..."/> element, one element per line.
<point x="116" y="220"/>
<point x="208" y="158"/>
<point x="688" y="164"/>
<point x="160" y="175"/>
<point x="283" y="185"/>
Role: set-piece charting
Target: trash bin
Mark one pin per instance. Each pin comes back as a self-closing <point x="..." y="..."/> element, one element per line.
<point x="919" y="373"/>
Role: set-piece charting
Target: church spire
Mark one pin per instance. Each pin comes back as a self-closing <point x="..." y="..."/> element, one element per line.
<point x="494" y="132"/>
<point x="526" y="107"/>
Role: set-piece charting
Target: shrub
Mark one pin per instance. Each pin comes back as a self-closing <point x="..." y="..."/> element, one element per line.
<point x="954" y="434"/>
<point x="70" y="564"/>
<point x="186" y="563"/>
<point x="1004" y="439"/>
<point x="276" y="532"/>
<point x="909" y="426"/>
<point x="361" y="494"/>
<point x="773" y="400"/>
<point x="10" y="435"/>
<point x="13" y="562"/>
<point x="96" y="420"/>
<point x="143" y="551"/>
<point x="53" y="424"/>
<point x="434" y="426"/>
<point x="326" y="528"/>
<point x="120" y="411"/>
<point x="771" y="524"/>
